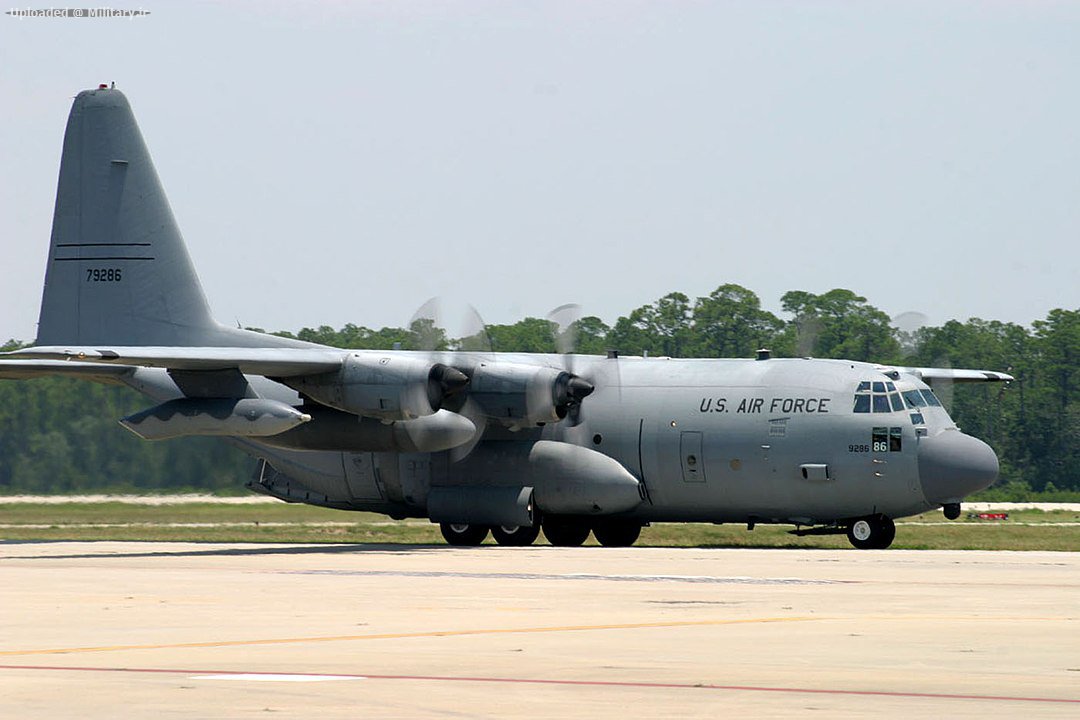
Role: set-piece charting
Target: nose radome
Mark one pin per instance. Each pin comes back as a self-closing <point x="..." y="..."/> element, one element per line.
<point x="952" y="465"/>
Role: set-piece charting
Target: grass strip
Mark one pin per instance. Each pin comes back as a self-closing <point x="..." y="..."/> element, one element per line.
<point x="284" y="523"/>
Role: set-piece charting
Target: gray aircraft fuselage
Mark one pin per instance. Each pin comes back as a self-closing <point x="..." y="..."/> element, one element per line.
<point x="710" y="441"/>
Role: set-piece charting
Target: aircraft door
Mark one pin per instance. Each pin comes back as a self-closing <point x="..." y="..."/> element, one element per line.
<point x="360" y="476"/>
<point x="693" y="460"/>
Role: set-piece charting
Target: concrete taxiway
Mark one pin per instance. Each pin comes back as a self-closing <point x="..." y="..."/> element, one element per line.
<point x="96" y="630"/>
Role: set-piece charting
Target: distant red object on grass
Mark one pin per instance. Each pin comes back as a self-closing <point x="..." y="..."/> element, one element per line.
<point x="988" y="516"/>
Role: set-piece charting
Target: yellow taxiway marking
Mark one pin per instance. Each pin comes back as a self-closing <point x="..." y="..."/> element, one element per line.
<point x="511" y="631"/>
<point x="407" y="635"/>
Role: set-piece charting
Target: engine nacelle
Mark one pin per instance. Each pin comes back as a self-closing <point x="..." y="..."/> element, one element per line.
<point x="525" y="395"/>
<point x="392" y="387"/>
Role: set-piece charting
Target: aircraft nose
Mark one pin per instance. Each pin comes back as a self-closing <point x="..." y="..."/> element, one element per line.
<point x="952" y="465"/>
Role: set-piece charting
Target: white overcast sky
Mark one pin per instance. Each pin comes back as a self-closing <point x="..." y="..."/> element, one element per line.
<point x="334" y="162"/>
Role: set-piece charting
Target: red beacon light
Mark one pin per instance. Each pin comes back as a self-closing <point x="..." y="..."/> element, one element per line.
<point x="103" y="86"/>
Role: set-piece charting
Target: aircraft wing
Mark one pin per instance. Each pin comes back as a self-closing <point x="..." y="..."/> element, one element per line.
<point x="272" y="362"/>
<point x="956" y="375"/>
<point x="29" y="369"/>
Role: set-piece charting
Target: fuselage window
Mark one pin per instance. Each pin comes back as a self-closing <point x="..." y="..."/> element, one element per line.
<point x="917" y="419"/>
<point x="931" y="398"/>
<point x="880" y="439"/>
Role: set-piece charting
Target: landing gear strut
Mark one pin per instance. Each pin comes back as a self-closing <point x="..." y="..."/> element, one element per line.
<point x="875" y="532"/>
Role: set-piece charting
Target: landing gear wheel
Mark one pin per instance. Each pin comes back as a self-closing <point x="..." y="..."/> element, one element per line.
<point x="463" y="533"/>
<point x="875" y="532"/>
<point x="888" y="532"/>
<point x="565" y="531"/>
<point x="616" y="532"/>
<point x="518" y="536"/>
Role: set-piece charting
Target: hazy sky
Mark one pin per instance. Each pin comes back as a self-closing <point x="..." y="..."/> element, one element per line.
<point x="334" y="162"/>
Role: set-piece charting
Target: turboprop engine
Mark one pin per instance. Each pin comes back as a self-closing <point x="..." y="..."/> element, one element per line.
<point x="525" y="395"/>
<point x="385" y="387"/>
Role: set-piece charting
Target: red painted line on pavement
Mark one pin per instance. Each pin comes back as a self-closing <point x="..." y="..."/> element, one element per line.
<point x="585" y="683"/>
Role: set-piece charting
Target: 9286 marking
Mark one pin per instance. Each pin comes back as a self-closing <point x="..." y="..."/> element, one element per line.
<point x="104" y="275"/>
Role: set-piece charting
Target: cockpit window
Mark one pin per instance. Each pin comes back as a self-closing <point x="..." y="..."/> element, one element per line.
<point x="931" y="398"/>
<point x="884" y="397"/>
<point x="914" y="399"/>
<point x="862" y="403"/>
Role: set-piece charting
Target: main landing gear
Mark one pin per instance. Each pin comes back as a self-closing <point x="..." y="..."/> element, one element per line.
<point x="463" y="533"/>
<point x="518" y="536"/>
<point x="875" y="532"/>
<point x="560" y="531"/>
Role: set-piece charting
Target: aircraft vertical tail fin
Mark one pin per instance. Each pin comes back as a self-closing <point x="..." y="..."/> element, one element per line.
<point x="118" y="270"/>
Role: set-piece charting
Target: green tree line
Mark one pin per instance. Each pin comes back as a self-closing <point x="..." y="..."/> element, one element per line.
<point x="61" y="435"/>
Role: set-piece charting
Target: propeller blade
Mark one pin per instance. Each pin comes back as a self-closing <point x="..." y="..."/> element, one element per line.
<point x="570" y="389"/>
<point x="439" y="325"/>
<point x="908" y="324"/>
<point x="472" y="411"/>
<point x="564" y="327"/>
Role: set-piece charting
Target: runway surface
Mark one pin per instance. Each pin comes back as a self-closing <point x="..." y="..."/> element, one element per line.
<point x="96" y="630"/>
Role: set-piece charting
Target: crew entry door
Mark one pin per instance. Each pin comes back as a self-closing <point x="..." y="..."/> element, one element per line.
<point x="693" y="462"/>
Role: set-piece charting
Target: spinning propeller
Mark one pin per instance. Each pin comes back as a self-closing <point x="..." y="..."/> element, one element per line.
<point x="571" y="388"/>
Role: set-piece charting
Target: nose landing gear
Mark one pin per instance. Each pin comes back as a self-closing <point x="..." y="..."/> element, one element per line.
<point x="875" y="532"/>
<point x="951" y="510"/>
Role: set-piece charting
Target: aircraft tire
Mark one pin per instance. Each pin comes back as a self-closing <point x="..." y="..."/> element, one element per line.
<point x="566" y="531"/>
<point x="875" y="532"/>
<point x="616" y="532"/>
<point x="519" y="536"/>
<point x="463" y="534"/>
<point x="888" y="532"/>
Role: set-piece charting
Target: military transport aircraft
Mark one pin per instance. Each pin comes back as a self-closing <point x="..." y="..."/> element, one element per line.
<point x="499" y="443"/>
